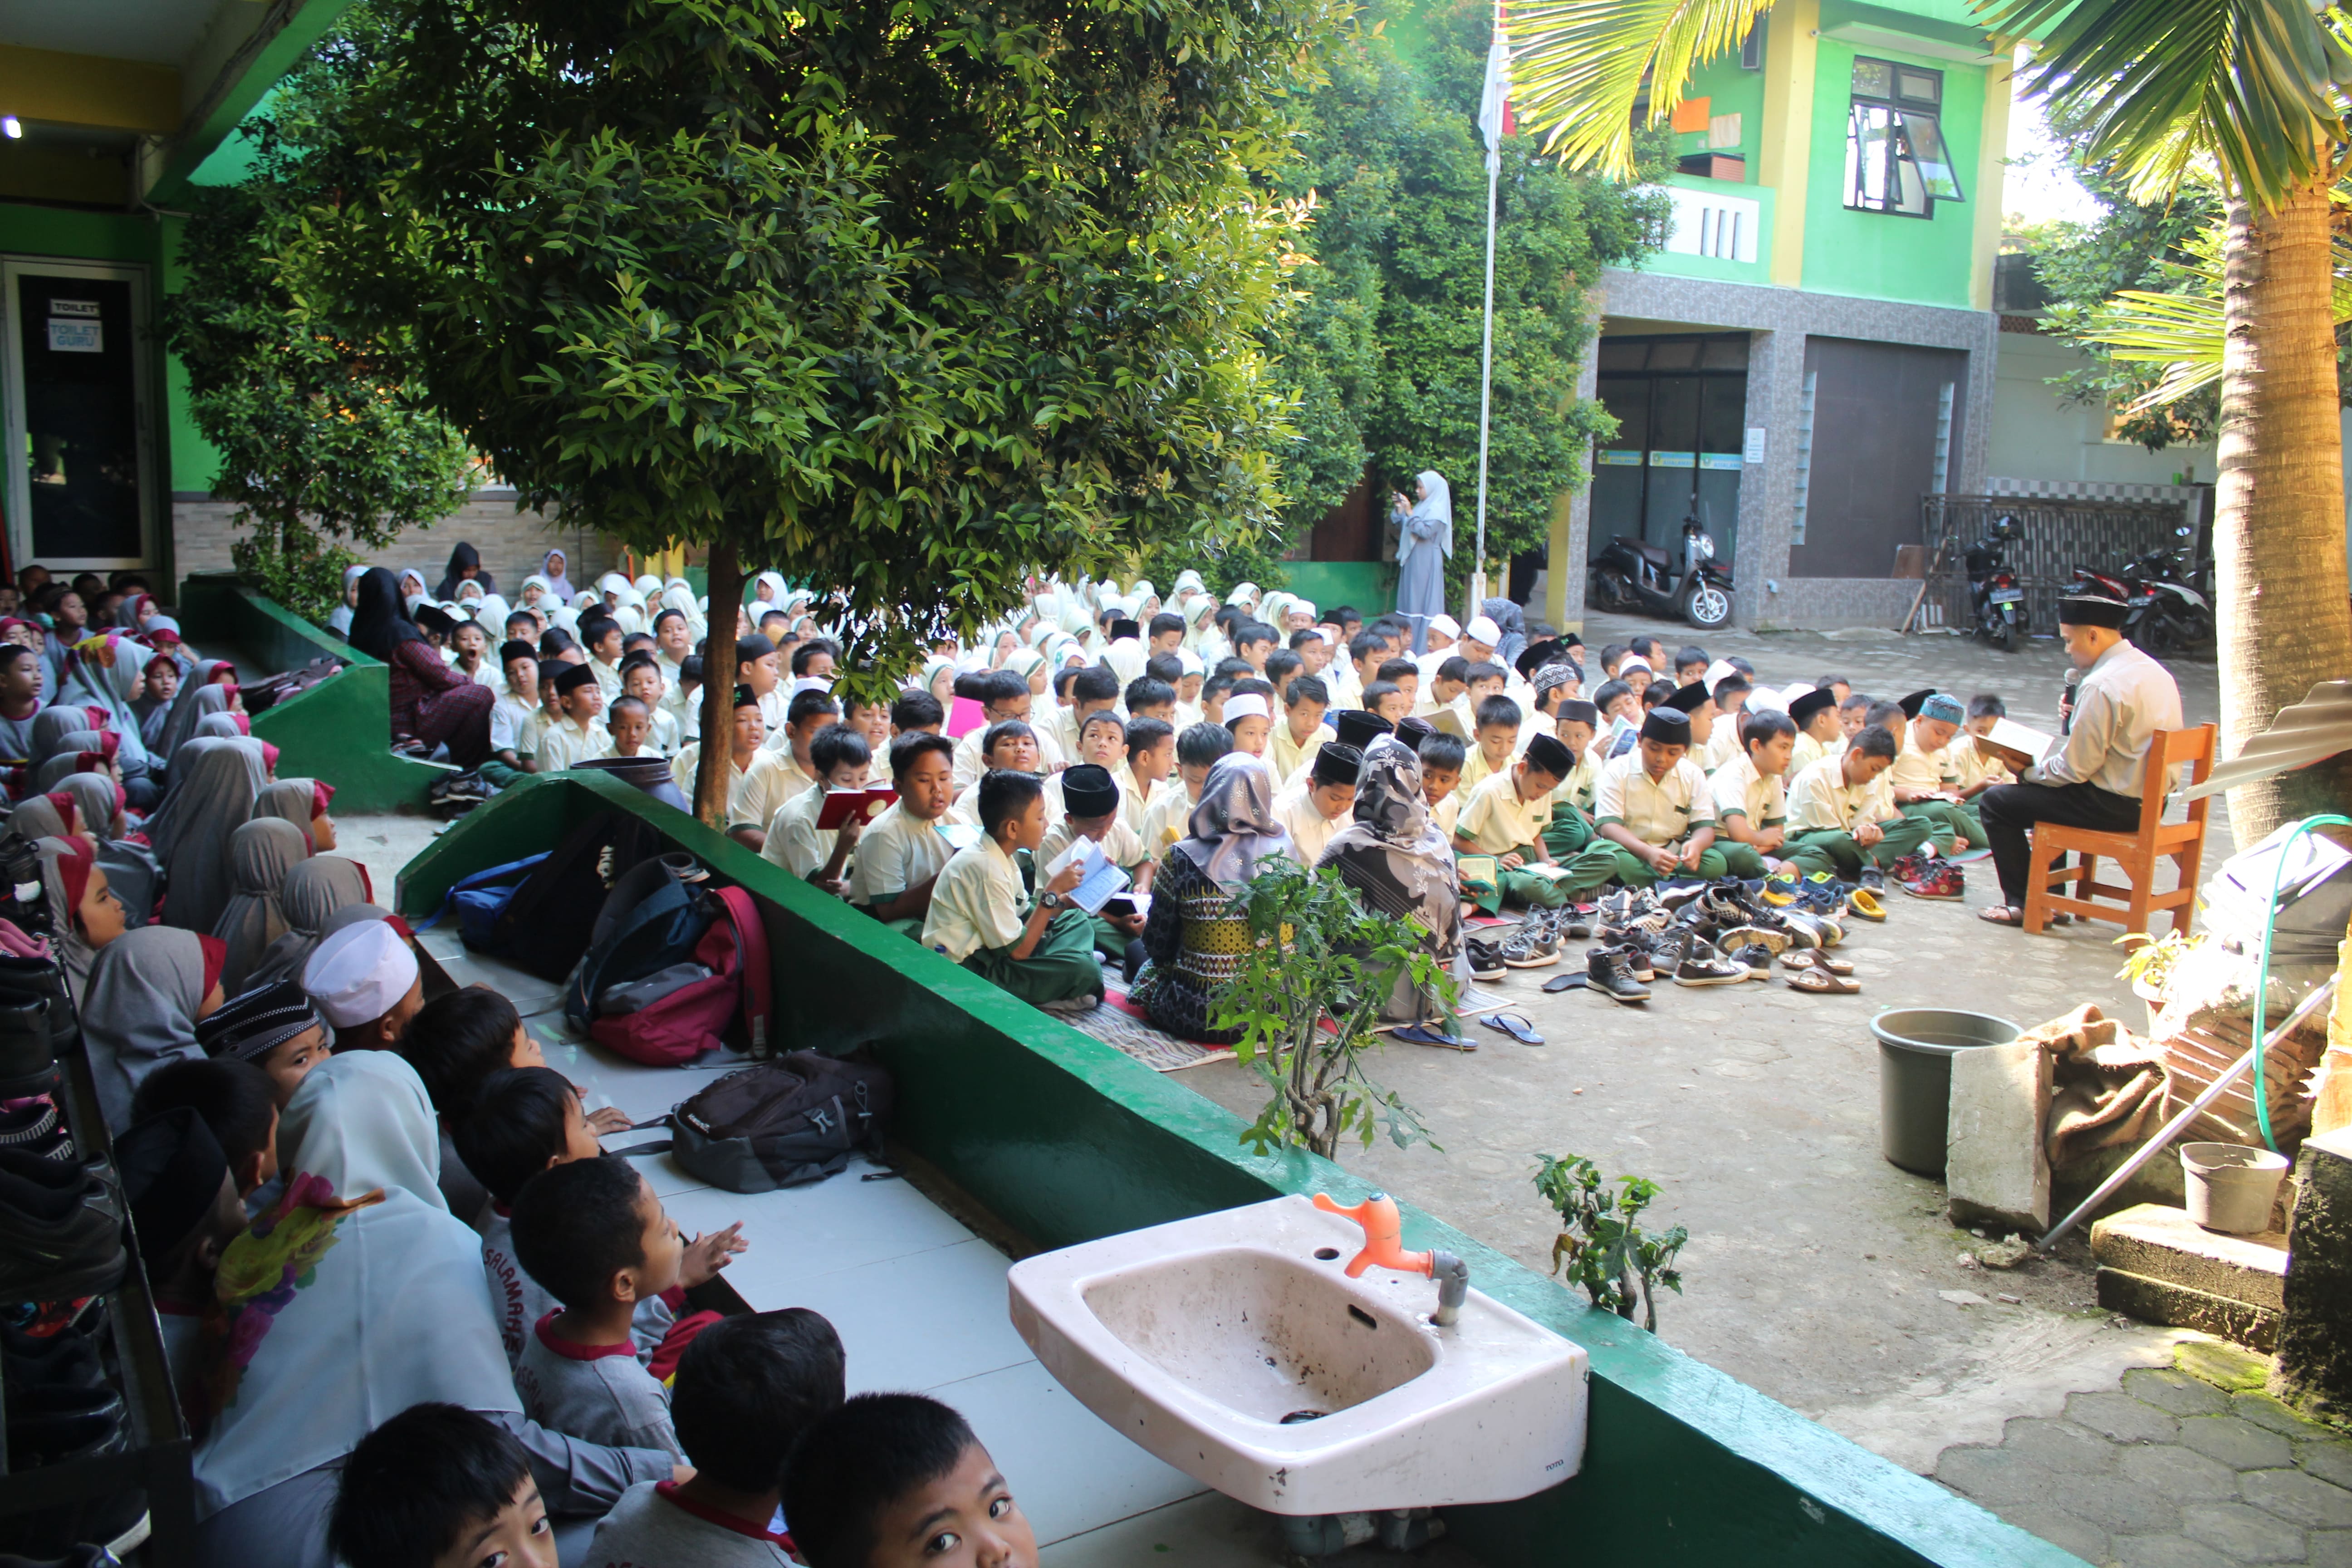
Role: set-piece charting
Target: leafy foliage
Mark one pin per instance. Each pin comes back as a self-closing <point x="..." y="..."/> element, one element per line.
<point x="1602" y="1248"/>
<point x="1581" y="68"/>
<point x="1384" y="349"/>
<point x="910" y="300"/>
<point x="1318" y="955"/>
<point x="1247" y="560"/>
<point x="323" y="440"/>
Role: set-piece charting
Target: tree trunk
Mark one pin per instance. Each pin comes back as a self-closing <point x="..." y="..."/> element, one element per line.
<point x="2278" y="526"/>
<point x="711" y="777"/>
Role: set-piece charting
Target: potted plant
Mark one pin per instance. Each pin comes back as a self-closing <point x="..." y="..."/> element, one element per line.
<point x="2149" y="963"/>
<point x="1308" y="999"/>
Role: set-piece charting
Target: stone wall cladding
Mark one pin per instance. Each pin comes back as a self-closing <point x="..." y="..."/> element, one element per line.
<point x="512" y="542"/>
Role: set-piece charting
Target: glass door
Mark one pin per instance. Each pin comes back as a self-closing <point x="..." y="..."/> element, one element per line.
<point x="80" y="492"/>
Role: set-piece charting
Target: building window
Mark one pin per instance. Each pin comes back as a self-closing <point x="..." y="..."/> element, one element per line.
<point x="1894" y="156"/>
<point x="1942" y="481"/>
<point x="1805" y="457"/>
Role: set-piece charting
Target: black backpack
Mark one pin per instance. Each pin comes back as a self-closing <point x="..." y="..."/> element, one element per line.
<point x="782" y="1123"/>
<point x="547" y="925"/>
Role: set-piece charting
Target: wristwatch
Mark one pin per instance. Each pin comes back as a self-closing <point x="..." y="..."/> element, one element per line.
<point x="1051" y="900"/>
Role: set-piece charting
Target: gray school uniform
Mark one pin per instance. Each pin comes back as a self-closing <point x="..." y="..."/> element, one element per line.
<point x="518" y="1302"/>
<point x="651" y="1527"/>
<point x="598" y="1393"/>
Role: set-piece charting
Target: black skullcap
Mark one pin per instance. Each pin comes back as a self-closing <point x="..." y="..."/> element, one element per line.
<point x="1358" y="727"/>
<point x="1536" y="655"/>
<point x="517" y="648"/>
<point x="252" y="1024"/>
<point x="1414" y="731"/>
<point x="1803" y="708"/>
<point x="1123" y="627"/>
<point x="756" y="645"/>
<point x="434" y="618"/>
<point x="572" y="678"/>
<point x="1667" y="726"/>
<point x="744" y="698"/>
<point x="1549" y="754"/>
<point x="1910" y="705"/>
<point x="1089" y="791"/>
<point x="2092" y="610"/>
<point x="171" y="1168"/>
<point x="1576" y="711"/>
<point x="672" y="613"/>
<point x="1685" y="699"/>
<point x="1337" y="764"/>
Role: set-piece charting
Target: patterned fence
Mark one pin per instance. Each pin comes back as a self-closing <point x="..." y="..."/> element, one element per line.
<point x="2053" y="537"/>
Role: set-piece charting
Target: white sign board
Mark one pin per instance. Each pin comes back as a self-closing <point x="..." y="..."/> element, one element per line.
<point x="1754" y="451"/>
<point x="75" y="328"/>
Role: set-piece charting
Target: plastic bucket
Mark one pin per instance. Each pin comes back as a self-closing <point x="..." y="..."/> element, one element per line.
<point x="2231" y="1187"/>
<point x="1915" y="1047"/>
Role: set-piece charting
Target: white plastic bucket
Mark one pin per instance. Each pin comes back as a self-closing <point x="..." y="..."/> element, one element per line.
<point x="2231" y="1187"/>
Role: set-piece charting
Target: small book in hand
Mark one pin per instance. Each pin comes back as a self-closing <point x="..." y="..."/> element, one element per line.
<point x="844" y="806"/>
<point x="2015" y="745"/>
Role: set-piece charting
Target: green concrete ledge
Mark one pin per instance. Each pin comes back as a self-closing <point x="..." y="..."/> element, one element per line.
<point x="1066" y="1140"/>
<point x="341" y="729"/>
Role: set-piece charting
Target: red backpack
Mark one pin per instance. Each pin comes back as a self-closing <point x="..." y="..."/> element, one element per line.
<point x="677" y="1027"/>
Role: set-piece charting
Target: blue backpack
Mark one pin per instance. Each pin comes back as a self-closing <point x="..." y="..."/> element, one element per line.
<point x="478" y="900"/>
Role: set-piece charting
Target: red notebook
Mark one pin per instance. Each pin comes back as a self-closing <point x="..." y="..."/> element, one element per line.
<point x="843" y="807"/>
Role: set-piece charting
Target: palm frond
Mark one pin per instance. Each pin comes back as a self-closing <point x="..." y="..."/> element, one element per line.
<point x="2254" y="84"/>
<point x="1578" y="67"/>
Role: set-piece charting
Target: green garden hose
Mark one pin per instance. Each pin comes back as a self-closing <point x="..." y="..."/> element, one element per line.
<point x="2262" y="974"/>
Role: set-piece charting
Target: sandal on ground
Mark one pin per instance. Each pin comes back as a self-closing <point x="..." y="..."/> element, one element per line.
<point x="1425" y="1034"/>
<point x="1820" y="983"/>
<point x="2002" y="915"/>
<point x="1814" y="958"/>
<point x="1513" y="1025"/>
<point x="1560" y="982"/>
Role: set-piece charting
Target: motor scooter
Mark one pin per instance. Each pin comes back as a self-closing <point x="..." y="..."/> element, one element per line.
<point x="1634" y="575"/>
<point x="1996" y="603"/>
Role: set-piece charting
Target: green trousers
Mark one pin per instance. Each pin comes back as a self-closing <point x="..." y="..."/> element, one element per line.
<point x="1605" y="860"/>
<point x="1742" y="861"/>
<point x="1570" y="831"/>
<point x="497" y="776"/>
<point x="1949" y="821"/>
<point x="1833" y="850"/>
<point x="1524" y="888"/>
<point x="1062" y="966"/>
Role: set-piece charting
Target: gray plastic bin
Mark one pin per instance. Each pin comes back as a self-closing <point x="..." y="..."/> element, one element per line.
<point x="1915" y="1047"/>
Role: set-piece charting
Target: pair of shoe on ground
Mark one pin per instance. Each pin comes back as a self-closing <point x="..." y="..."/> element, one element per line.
<point x="1624" y="972"/>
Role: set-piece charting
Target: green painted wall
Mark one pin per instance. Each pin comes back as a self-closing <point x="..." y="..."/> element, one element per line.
<point x="1064" y="1140"/>
<point x="1369" y="586"/>
<point x="1728" y="89"/>
<point x="1881" y="256"/>
<point x="194" y="461"/>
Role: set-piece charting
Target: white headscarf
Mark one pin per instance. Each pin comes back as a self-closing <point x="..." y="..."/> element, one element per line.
<point x="392" y="1310"/>
<point x="1439" y="504"/>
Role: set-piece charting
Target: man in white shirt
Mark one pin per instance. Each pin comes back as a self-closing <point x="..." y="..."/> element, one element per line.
<point x="1653" y="814"/>
<point x="980" y="916"/>
<point x="2093" y="773"/>
<point x="1314" y="807"/>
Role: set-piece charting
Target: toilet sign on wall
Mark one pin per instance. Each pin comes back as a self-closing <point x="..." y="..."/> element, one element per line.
<point x="75" y="328"/>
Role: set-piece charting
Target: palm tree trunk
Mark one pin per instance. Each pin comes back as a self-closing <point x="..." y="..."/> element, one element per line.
<point x="712" y="772"/>
<point x="2279" y="526"/>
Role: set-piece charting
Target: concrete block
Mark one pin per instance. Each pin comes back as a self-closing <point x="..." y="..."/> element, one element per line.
<point x="2183" y="1306"/>
<point x="2314" y="1340"/>
<point x="1998" y="1170"/>
<point x="2160" y="1243"/>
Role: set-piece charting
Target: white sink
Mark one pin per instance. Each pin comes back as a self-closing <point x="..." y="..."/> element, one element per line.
<point x="1233" y="1346"/>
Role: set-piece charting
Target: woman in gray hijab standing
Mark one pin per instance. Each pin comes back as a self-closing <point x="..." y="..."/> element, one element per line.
<point x="1399" y="864"/>
<point x="1195" y="937"/>
<point x="1424" y="540"/>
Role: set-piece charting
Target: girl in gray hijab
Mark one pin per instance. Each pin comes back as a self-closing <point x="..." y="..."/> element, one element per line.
<point x="147" y="991"/>
<point x="221" y="726"/>
<point x="1399" y="864"/>
<point x="312" y="901"/>
<point x="69" y="759"/>
<point x="1196" y="938"/>
<point x="86" y="916"/>
<point x="214" y="783"/>
<point x="204" y="693"/>
<point x="131" y="870"/>
<point x="51" y="725"/>
<point x="260" y="855"/>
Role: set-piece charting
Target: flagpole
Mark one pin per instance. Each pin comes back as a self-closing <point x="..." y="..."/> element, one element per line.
<point x="1485" y="387"/>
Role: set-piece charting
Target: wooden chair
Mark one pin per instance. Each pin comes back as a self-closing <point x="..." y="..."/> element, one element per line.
<point x="2135" y="854"/>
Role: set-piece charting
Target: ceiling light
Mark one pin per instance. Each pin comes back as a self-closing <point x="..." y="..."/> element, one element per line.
<point x="11" y="126"/>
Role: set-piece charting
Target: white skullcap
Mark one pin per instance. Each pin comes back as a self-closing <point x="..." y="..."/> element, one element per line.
<point x="1482" y="628"/>
<point x="359" y="973"/>
<point x="1248" y="705"/>
<point x="1445" y="623"/>
<point x="1633" y="661"/>
<point x="1298" y="604"/>
<point x="1716" y="671"/>
<point x="1190" y="662"/>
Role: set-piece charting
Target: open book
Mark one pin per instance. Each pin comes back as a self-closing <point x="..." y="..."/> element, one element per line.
<point x="2015" y="745"/>
<point x="1098" y="880"/>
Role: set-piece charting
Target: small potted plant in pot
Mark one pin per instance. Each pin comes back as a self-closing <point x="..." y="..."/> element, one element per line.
<point x="2148" y="964"/>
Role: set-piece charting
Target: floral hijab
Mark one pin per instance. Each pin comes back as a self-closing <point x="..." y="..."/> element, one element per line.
<point x="1233" y="825"/>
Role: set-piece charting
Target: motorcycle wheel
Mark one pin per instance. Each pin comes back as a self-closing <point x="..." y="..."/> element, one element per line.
<point x="2002" y="635"/>
<point x="1706" y="605"/>
<point x="1611" y="589"/>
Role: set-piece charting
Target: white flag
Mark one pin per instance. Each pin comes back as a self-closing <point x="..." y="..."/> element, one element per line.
<point x="1494" y="104"/>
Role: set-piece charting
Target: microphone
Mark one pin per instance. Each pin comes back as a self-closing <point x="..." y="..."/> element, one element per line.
<point x="2066" y="702"/>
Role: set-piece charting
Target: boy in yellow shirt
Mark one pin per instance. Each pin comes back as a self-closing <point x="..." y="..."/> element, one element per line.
<point x="1505" y="817"/>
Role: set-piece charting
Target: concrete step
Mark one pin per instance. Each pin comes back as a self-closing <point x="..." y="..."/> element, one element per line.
<point x="2160" y="1243"/>
<point x="2158" y="1267"/>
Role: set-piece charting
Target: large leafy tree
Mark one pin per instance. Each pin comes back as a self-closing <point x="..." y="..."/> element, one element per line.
<point x="322" y="442"/>
<point x="1385" y="348"/>
<point x="904" y="300"/>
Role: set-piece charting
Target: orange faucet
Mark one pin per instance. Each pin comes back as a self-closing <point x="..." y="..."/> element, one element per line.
<point x="1383" y="1234"/>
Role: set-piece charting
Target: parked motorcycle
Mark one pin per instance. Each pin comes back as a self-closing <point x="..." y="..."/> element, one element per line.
<point x="2168" y="612"/>
<point x="1996" y="602"/>
<point x="1634" y="575"/>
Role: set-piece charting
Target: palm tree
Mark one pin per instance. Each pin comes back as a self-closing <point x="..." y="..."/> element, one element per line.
<point x="2247" y="92"/>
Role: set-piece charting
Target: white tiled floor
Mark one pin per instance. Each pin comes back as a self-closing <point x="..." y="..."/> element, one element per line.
<point x="919" y="1300"/>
